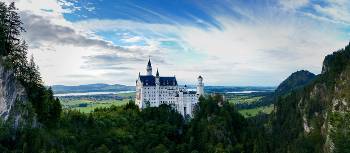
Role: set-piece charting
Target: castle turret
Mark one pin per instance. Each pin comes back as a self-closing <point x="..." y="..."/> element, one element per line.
<point x="157" y="81"/>
<point x="149" y="67"/>
<point x="157" y="78"/>
<point x="200" y="86"/>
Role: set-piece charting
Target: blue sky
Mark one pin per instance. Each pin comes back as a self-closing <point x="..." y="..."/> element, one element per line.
<point x="229" y="42"/>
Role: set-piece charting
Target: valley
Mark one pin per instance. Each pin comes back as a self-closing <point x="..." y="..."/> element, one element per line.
<point x="86" y="102"/>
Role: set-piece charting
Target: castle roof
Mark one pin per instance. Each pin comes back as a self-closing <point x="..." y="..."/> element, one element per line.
<point x="149" y="63"/>
<point x="150" y="80"/>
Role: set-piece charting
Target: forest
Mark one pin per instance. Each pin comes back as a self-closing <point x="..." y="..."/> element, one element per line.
<point x="216" y="127"/>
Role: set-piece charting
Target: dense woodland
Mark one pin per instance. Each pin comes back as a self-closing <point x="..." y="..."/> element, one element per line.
<point x="216" y="126"/>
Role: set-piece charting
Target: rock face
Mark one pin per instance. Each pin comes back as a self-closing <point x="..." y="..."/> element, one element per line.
<point x="12" y="95"/>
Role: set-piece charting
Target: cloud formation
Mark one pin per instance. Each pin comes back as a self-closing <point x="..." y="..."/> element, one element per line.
<point x="41" y="30"/>
<point x="336" y="10"/>
<point x="229" y="42"/>
<point x="293" y="4"/>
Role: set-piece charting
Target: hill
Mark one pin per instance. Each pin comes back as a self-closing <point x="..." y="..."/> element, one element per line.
<point x="296" y="80"/>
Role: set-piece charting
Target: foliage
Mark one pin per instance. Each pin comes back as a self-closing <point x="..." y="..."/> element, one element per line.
<point x="216" y="127"/>
<point x="10" y="29"/>
<point x="13" y="53"/>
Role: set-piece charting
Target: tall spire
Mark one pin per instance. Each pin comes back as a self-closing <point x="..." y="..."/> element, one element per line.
<point x="149" y="62"/>
<point x="157" y="79"/>
<point x="149" y="67"/>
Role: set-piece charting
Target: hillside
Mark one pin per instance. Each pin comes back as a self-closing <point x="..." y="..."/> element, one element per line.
<point x="315" y="118"/>
<point x="296" y="80"/>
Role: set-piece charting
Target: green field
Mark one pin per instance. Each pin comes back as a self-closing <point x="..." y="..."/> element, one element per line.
<point x="87" y="106"/>
<point x="127" y="95"/>
<point x="255" y="111"/>
<point x="250" y="100"/>
<point x="240" y="99"/>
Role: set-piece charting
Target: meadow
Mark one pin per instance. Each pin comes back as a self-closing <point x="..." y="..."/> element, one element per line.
<point x="251" y="99"/>
<point x="244" y="99"/>
<point x="255" y="111"/>
<point x="88" y="103"/>
<point x="87" y="106"/>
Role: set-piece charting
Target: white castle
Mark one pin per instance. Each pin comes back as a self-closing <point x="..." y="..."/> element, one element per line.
<point x="152" y="91"/>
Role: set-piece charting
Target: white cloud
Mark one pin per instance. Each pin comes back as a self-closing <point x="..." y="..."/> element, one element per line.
<point x="133" y="39"/>
<point x="336" y="10"/>
<point x="273" y="49"/>
<point x="293" y="4"/>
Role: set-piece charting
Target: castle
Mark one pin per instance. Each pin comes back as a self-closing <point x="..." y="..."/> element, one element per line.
<point x="152" y="91"/>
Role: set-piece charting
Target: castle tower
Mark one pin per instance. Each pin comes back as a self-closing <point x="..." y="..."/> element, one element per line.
<point x="149" y="67"/>
<point x="157" y="82"/>
<point x="200" y="86"/>
<point x="157" y="78"/>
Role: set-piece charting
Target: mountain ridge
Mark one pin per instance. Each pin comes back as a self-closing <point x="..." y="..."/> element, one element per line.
<point x="96" y="87"/>
<point x="313" y="118"/>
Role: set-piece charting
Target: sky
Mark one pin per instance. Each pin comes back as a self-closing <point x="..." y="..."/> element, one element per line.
<point x="228" y="42"/>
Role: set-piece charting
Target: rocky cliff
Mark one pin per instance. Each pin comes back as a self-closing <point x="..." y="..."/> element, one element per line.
<point x="14" y="107"/>
<point x="316" y="115"/>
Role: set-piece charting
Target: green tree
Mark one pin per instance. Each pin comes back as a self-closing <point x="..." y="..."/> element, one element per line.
<point x="10" y="28"/>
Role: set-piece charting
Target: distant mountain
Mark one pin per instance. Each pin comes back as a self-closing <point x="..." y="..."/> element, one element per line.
<point x="294" y="81"/>
<point x="228" y="89"/>
<point x="101" y="87"/>
<point x="98" y="87"/>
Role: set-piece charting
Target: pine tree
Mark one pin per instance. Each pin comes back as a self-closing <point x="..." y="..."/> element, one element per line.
<point x="17" y="60"/>
<point x="34" y="74"/>
<point x="56" y="109"/>
<point x="15" y="28"/>
<point x="3" y="27"/>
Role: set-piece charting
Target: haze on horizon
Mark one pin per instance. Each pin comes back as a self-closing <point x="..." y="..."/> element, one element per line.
<point x="231" y="42"/>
